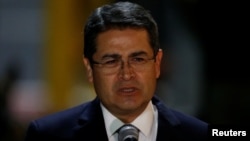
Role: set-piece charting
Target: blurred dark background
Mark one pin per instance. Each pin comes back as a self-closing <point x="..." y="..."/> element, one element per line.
<point x="216" y="34"/>
<point x="205" y="72"/>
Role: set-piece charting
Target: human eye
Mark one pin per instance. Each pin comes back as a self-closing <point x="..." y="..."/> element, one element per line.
<point x="138" y="60"/>
<point x="110" y="62"/>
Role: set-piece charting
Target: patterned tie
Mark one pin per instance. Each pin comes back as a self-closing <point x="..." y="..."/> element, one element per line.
<point x="128" y="132"/>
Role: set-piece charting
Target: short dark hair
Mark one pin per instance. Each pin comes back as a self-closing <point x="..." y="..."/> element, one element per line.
<point x="118" y="15"/>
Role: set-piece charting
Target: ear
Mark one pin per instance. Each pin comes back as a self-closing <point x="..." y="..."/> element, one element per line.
<point x="89" y="69"/>
<point x="158" y="59"/>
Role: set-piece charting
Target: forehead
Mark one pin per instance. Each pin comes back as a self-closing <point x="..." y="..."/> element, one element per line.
<point x="123" y="41"/>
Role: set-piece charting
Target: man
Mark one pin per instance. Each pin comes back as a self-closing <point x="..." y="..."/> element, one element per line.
<point x="122" y="58"/>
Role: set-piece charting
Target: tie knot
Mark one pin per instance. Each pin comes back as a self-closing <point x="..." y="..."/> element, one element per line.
<point x="128" y="132"/>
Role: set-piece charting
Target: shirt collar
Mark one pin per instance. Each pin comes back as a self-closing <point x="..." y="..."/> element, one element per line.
<point x="145" y="121"/>
<point x="147" y="116"/>
<point x="111" y="122"/>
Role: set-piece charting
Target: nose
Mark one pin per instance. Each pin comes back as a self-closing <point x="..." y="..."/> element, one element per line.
<point x="126" y="71"/>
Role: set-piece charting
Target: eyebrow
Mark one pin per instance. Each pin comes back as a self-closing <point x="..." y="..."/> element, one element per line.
<point x="138" y="53"/>
<point x="111" y="56"/>
<point x="116" y="56"/>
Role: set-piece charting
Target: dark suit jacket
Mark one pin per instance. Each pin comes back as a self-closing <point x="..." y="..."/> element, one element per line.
<point x="86" y="123"/>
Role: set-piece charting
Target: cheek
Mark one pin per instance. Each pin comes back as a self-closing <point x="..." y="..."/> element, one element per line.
<point x="151" y="78"/>
<point x="147" y="78"/>
<point x="152" y="73"/>
<point x="102" y="83"/>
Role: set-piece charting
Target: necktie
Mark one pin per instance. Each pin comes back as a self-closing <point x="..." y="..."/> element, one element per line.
<point x="128" y="133"/>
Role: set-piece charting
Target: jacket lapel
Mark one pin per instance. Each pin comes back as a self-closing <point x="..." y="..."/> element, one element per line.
<point x="91" y="125"/>
<point x="166" y="131"/>
<point x="167" y="122"/>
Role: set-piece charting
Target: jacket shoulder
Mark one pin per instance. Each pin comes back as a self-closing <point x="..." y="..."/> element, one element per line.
<point x="59" y="125"/>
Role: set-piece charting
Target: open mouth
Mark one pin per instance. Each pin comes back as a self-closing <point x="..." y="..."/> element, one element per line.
<point x="127" y="90"/>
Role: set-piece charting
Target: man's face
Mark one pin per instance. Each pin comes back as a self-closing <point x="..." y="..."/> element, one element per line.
<point x="125" y="76"/>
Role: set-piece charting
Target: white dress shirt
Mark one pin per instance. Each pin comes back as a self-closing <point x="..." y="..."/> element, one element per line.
<point x="146" y="122"/>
